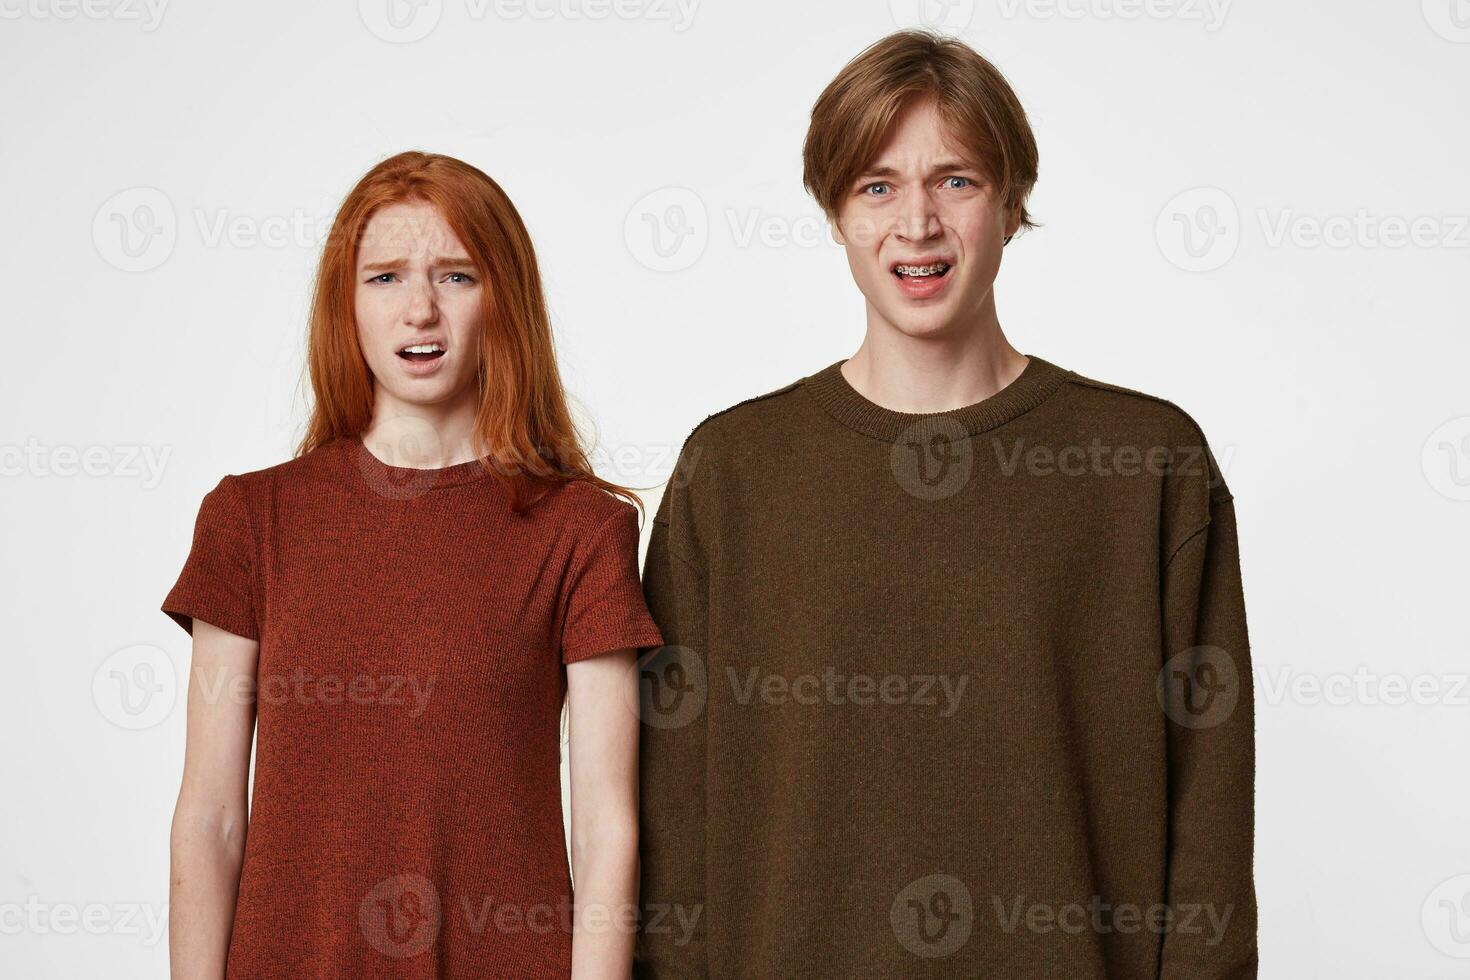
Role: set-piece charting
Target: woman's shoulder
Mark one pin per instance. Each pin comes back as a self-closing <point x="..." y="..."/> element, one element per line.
<point x="323" y="462"/>
<point x="583" y="506"/>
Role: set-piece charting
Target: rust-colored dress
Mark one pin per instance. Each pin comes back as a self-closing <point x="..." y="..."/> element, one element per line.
<point x="406" y="810"/>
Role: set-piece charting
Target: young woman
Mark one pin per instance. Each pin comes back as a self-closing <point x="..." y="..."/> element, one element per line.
<point x="400" y="613"/>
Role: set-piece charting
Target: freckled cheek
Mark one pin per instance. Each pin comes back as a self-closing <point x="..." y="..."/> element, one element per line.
<point x="374" y="320"/>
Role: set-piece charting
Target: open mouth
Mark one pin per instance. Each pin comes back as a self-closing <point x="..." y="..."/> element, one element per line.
<point x="930" y="272"/>
<point x="421" y="352"/>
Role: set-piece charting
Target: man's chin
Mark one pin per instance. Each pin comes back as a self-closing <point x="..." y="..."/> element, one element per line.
<point x="924" y="324"/>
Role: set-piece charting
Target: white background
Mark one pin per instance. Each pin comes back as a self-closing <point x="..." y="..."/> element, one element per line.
<point x="1297" y="145"/>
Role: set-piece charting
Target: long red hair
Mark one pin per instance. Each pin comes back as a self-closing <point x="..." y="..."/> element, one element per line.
<point x="523" y="427"/>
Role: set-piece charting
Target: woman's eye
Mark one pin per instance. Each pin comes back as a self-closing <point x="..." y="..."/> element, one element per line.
<point x="383" y="277"/>
<point x="463" y="277"/>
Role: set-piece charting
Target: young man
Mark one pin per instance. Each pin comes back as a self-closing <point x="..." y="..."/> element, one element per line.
<point x="958" y="682"/>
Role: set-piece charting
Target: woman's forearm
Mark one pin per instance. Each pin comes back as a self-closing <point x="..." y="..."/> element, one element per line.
<point x="205" y="854"/>
<point x="604" y="918"/>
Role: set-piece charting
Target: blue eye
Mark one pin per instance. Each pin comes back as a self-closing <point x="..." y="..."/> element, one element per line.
<point x="874" y="187"/>
<point x="963" y="181"/>
<point x="383" y="277"/>
<point x="463" y="277"/>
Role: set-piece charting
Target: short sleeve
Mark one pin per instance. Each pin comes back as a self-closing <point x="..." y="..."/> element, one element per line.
<point x="604" y="605"/>
<point x="217" y="581"/>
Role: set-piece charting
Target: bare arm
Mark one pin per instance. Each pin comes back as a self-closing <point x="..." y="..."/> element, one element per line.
<point x="603" y="753"/>
<point x="207" y="841"/>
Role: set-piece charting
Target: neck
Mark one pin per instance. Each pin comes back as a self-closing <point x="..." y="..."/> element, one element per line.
<point x="928" y="375"/>
<point x="421" y="436"/>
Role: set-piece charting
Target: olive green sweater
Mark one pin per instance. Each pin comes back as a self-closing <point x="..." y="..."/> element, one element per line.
<point x="964" y="695"/>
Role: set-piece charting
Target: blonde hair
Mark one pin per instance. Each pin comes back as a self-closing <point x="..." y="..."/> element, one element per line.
<point x="852" y="117"/>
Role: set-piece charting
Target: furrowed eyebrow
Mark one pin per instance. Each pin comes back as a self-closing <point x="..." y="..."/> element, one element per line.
<point x="387" y="265"/>
<point x="943" y="167"/>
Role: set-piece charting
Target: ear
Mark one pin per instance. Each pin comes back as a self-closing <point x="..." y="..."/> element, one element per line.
<point x="1013" y="222"/>
<point x="836" y="230"/>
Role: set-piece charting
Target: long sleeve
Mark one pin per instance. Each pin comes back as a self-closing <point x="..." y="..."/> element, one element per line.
<point x="671" y="941"/>
<point x="1206" y="691"/>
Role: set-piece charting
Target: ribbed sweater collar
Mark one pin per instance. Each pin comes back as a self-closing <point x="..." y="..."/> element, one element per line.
<point x="843" y="402"/>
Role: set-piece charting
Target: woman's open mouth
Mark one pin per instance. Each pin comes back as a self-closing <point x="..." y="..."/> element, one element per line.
<point x="421" y="352"/>
<point x="422" y="360"/>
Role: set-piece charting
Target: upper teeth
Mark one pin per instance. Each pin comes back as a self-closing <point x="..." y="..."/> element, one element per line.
<point x="422" y="349"/>
<point x="921" y="270"/>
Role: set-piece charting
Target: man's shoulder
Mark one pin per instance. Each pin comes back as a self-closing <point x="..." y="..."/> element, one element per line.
<point x="749" y="417"/>
<point x="1123" y="417"/>
<point x="1133" y="411"/>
